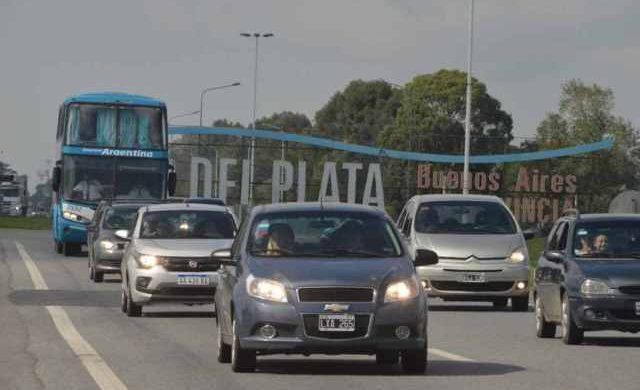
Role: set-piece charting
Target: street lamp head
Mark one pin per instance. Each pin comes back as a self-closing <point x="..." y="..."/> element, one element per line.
<point x="235" y="84"/>
<point x="245" y="34"/>
<point x="267" y="35"/>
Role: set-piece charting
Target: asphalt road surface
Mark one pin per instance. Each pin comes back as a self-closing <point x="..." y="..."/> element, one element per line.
<point x="58" y="330"/>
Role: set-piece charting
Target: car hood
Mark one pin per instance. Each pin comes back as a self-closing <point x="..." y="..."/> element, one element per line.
<point x="463" y="246"/>
<point x="182" y="247"/>
<point x="615" y="272"/>
<point x="331" y="272"/>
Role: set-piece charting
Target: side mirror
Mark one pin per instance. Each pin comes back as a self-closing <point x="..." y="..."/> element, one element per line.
<point x="425" y="257"/>
<point x="55" y="179"/>
<point x="123" y="234"/>
<point x="222" y="257"/>
<point x="528" y="234"/>
<point x="554" y="256"/>
<point x="171" y="182"/>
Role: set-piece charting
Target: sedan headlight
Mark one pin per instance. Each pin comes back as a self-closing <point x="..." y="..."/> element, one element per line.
<point x="108" y="245"/>
<point x="74" y="217"/>
<point x="518" y="256"/>
<point x="148" y="261"/>
<point x="401" y="291"/>
<point x="267" y="289"/>
<point x="595" y="287"/>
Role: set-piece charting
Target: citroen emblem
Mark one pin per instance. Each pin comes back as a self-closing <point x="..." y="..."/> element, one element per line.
<point x="193" y="264"/>
<point x="335" y="307"/>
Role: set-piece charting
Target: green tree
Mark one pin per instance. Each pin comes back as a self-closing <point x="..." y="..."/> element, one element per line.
<point x="585" y="115"/>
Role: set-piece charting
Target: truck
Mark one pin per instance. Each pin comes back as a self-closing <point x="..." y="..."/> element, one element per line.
<point x="13" y="195"/>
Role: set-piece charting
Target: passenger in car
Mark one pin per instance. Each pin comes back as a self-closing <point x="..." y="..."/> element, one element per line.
<point x="281" y="239"/>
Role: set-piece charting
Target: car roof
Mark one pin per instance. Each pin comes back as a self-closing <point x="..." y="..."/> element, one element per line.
<point x="456" y="197"/>
<point x="114" y="98"/>
<point x="315" y="206"/>
<point x="185" y="206"/>
<point x="603" y="217"/>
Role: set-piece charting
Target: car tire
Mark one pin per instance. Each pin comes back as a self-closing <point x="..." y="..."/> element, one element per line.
<point x="242" y="360"/>
<point x="98" y="277"/>
<point x="57" y="246"/>
<point x="415" y="361"/>
<point x="123" y="301"/>
<point x="387" y="358"/>
<point x="69" y="249"/>
<point x="224" y="350"/>
<point x="571" y="334"/>
<point x="91" y="271"/>
<point x="544" y="329"/>
<point x="500" y="303"/>
<point x="133" y="309"/>
<point x="520" y="303"/>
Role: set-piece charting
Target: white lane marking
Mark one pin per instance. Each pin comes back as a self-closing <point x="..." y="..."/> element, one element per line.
<point x="449" y="355"/>
<point x="101" y="373"/>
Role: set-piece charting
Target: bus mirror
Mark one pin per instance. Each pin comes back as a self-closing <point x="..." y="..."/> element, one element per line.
<point x="55" y="180"/>
<point x="171" y="183"/>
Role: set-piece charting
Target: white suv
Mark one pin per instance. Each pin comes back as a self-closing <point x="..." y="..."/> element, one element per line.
<point x="168" y="257"/>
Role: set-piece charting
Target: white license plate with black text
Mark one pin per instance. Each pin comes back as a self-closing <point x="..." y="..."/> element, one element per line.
<point x="193" y="280"/>
<point x="472" y="277"/>
<point x="337" y="323"/>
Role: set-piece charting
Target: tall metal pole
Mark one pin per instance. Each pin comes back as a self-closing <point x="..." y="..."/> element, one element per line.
<point x="252" y="148"/>
<point x="467" y="122"/>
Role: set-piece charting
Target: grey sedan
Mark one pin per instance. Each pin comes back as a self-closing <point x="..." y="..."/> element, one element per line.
<point x="328" y="279"/>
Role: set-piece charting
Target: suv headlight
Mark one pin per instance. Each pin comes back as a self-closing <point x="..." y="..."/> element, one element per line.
<point x="595" y="287"/>
<point x="74" y="217"/>
<point x="517" y="256"/>
<point x="401" y="291"/>
<point x="147" y="261"/>
<point x="267" y="289"/>
<point x="108" y="245"/>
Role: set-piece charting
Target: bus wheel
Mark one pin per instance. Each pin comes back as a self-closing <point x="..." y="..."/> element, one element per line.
<point x="69" y="249"/>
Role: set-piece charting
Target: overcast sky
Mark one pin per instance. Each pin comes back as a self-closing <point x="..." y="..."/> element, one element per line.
<point x="171" y="50"/>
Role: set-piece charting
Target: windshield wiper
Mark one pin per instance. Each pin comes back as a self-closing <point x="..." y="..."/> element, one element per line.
<point x="351" y="252"/>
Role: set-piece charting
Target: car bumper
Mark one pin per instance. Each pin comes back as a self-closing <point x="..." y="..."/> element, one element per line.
<point x="610" y="313"/>
<point x="108" y="261"/>
<point x="296" y="328"/>
<point x="156" y="286"/>
<point x="447" y="280"/>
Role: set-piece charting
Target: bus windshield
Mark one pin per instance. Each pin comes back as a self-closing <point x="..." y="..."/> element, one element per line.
<point x="91" y="179"/>
<point x="94" y="125"/>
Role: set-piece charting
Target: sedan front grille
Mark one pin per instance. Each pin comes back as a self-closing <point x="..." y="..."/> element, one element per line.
<point x="311" y="328"/>
<point x="182" y="264"/>
<point x="631" y="290"/>
<point x="188" y="291"/>
<point x="471" y="287"/>
<point x="335" y="294"/>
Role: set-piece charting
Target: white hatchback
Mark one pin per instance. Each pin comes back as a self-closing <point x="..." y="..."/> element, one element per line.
<point x="168" y="257"/>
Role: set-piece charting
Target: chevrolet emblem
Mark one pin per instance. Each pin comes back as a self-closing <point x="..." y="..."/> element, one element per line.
<point x="335" y="307"/>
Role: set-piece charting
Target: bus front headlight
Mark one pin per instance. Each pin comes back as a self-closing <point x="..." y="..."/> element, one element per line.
<point x="74" y="217"/>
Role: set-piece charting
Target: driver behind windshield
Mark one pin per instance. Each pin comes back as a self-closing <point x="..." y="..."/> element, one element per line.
<point x="281" y="239"/>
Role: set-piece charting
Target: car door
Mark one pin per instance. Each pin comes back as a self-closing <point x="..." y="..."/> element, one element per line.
<point x="543" y="272"/>
<point x="554" y="275"/>
<point x="92" y="233"/>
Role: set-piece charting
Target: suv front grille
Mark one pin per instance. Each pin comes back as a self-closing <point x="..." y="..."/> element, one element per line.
<point x="471" y="287"/>
<point x="335" y="294"/>
<point x="181" y="264"/>
<point x="311" y="328"/>
<point x="631" y="290"/>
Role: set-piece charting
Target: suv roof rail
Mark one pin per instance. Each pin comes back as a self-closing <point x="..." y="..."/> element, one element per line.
<point x="571" y="213"/>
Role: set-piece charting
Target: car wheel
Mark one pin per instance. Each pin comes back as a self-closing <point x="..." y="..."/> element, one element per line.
<point x="544" y="329"/>
<point x="57" y="246"/>
<point x="571" y="334"/>
<point x="123" y="301"/>
<point x="91" y="271"/>
<point x="387" y="357"/>
<point x="133" y="309"/>
<point x="520" y="303"/>
<point x="242" y="360"/>
<point x="224" y="350"/>
<point x="415" y="361"/>
<point x="500" y="302"/>
<point x="97" y="276"/>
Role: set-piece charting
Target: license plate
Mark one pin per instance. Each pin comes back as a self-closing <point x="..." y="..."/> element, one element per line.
<point x="638" y="308"/>
<point x="472" y="277"/>
<point x="193" y="280"/>
<point x="337" y="323"/>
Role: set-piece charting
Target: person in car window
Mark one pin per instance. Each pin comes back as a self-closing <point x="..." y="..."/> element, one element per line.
<point x="585" y="247"/>
<point x="600" y="243"/>
<point x="87" y="189"/>
<point x="281" y="239"/>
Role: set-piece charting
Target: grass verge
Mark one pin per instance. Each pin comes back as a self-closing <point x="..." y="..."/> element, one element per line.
<point x="30" y="223"/>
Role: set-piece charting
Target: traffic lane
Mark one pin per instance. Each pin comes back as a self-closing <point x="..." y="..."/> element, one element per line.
<point x="32" y="353"/>
<point x="605" y="360"/>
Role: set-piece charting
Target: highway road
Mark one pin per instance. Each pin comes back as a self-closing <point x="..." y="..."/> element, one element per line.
<point x="58" y="330"/>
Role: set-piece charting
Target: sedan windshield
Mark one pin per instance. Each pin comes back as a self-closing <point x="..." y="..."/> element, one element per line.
<point x="323" y="234"/>
<point x="464" y="217"/>
<point x="180" y="224"/>
<point x="119" y="217"/>
<point x="607" y="239"/>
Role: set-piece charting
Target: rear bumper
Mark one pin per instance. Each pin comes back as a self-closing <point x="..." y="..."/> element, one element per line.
<point x="610" y="313"/>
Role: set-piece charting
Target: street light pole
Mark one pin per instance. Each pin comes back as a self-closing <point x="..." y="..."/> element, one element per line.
<point x="183" y="115"/>
<point x="252" y="147"/>
<point x="215" y="158"/>
<point x="467" y="122"/>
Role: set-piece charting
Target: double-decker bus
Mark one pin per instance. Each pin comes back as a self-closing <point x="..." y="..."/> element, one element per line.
<point x="109" y="146"/>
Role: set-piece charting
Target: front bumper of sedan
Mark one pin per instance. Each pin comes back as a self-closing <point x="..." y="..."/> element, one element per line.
<point x="478" y="280"/>
<point x="158" y="286"/>
<point x="109" y="260"/>
<point x="296" y="327"/>
<point x="620" y="313"/>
